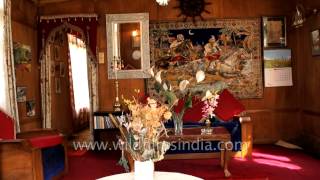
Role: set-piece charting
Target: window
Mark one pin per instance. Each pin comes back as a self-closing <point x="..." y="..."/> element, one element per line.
<point x="79" y="71"/>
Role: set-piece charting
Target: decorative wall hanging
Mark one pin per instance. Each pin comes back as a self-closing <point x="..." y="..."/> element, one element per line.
<point x="192" y="9"/>
<point x="227" y="50"/>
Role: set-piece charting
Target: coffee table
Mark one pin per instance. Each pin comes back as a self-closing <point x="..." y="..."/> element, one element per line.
<point x="194" y="135"/>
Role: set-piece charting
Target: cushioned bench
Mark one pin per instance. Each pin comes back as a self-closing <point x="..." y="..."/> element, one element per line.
<point x="240" y="129"/>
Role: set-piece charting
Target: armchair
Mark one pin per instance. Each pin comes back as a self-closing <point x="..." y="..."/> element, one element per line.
<point x="35" y="155"/>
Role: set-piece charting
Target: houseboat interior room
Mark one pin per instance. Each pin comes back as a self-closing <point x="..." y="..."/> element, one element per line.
<point x="159" y="89"/>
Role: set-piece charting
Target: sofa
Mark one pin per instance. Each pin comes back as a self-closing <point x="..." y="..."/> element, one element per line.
<point x="33" y="155"/>
<point x="229" y="114"/>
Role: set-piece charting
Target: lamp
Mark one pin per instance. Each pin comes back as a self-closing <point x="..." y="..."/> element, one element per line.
<point x="135" y="39"/>
<point x="163" y="2"/>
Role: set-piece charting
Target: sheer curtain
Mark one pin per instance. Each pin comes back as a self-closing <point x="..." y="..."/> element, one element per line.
<point x="8" y="102"/>
<point x="79" y="73"/>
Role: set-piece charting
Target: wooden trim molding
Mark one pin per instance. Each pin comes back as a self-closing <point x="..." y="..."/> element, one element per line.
<point x="272" y="110"/>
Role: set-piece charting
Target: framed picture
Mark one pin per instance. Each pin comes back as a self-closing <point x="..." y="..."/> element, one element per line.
<point x="31" y="108"/>
<point x="222" y="49"/>
<point x="277" y="67"/>
<point x="62" y="69"/>
<point x="274" y="32"/>
<point x="315" y="42"/>
<point x="21" y="94"/>
<point x="58" y="85"/>
<point x="21" y="53"/>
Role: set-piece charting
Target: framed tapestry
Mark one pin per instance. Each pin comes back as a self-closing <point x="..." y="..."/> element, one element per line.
<point x="227" y="50"/>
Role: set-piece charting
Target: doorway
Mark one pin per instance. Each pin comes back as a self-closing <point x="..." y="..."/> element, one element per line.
<point x="68" y="82"/>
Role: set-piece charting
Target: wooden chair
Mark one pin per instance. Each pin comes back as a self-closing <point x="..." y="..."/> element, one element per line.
<point x="34" y="155"/>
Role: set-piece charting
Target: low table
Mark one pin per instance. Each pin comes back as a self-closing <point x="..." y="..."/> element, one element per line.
<point x="157" y="176"/>
<point x="194" y="135"/>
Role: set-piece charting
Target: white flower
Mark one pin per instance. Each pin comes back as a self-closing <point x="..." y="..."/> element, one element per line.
<point x="200" y="76"/>
<point x="165" y="87"/>
<point x="151" y="71"/>
<point x="158" y="77"/>
<point x="183" y="84"/>
<point x="208" y="95"/>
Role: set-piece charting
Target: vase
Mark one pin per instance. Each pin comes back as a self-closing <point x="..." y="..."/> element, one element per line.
<point x="178" y="126"/>
<point x="143" y="170"/>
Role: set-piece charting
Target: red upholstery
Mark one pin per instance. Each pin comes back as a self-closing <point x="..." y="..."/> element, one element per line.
<point x="46" y="141"/>
<point x="228" y="106"/>
<point x="6" y="126"/>
<point x="193" y="114"/>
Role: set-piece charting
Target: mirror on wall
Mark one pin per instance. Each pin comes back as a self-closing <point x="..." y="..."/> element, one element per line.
<point x="128" y="50"/>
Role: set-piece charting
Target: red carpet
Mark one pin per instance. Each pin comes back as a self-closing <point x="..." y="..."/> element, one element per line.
<point x="268" y="163"/>
<point x="72" y="152"/>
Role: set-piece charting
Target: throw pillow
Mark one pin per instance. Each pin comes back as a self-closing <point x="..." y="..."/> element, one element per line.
<point x="228" y="106"/>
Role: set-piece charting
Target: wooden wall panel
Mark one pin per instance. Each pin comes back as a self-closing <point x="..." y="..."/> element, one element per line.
<point x="24" y="31"/>
<point x="309" y="75"/>
<point x="270" y="114"/>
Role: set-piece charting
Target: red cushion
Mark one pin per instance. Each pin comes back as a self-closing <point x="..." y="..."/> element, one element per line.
<point x="46" y="141"/>
<point x="6" y="126"/>
<point x="193" y="114"/>
<point x="228" y="106"/>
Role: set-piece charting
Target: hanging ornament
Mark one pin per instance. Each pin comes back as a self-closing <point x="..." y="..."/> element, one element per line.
<point x="163" y="2"/>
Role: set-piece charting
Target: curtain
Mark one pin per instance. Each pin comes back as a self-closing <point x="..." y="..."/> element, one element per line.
<point x="79" y="71"/>
<point x="8" y="102"/>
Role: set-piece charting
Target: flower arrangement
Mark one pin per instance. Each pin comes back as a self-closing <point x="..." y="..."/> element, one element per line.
<point x="145" y="127"/>
<point x="210" y="103"/>
<point x="172" y="96"/>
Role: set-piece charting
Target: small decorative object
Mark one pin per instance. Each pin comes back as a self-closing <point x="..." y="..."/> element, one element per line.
<point x="274" y="32"/>
<point x="163" y="2"/>
<point x="21" y="53"/>
<point x="30" y="106"/>
<point x="21" y="94"/>
<point x="277" y="67"/>
<point x="315" y="40"/>
<point x="299" y="16"/>
<point x="192" y="9"/>
<point x="210" y="103"/>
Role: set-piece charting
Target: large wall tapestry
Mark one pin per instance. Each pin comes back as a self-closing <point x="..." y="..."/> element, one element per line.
<point x="227" y="50"/>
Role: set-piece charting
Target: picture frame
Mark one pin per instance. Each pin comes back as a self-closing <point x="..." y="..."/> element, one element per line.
<point x="58" y="85"/>
<point x="274" y="32"/>
<point x="31" y="108"/>
<point x="21" y="94"/>
<point x="62" y="69"/>
<point x="315" y="42"/>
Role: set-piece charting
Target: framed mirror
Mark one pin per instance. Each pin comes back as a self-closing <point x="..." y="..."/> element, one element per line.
<point x="128" y="50"/>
